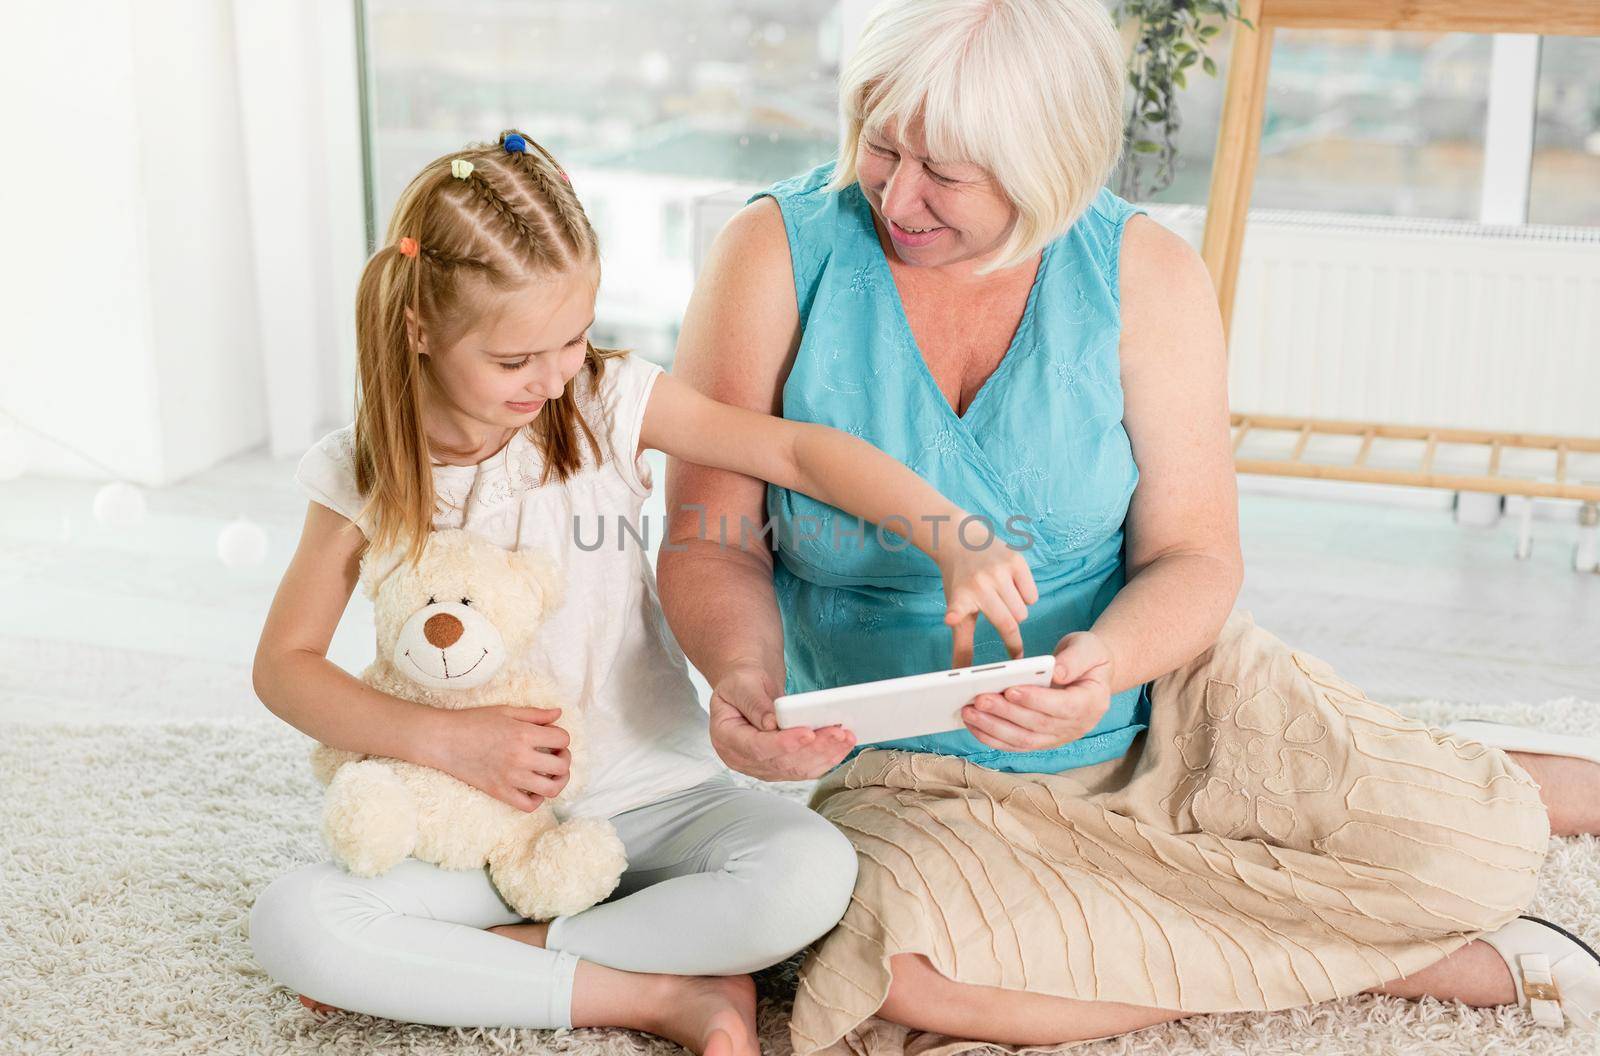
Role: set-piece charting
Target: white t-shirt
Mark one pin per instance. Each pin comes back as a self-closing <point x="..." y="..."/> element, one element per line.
<point x="608" y="645"/>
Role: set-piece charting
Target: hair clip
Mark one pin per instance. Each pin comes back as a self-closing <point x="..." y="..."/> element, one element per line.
<point x="460" y="168"/>
<point x="515" y="144"/>
<point x="409" y="247"/>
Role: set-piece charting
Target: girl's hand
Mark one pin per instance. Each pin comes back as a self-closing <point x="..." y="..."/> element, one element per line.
<point x="512" y="754"/>
<point x="995" y="581"/>
<point x="744" y="731"/>
<point x="1036" y="718"/>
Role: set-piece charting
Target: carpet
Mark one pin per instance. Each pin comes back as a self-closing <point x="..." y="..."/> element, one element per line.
<point x="130" y="855"/>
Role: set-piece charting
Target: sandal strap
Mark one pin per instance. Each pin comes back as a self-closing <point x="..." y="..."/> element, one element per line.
<point x="1538" y="986"/>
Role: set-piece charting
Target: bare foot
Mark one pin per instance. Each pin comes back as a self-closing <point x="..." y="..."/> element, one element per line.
<point x="713" y="1016"/>
<point x="318" y="1008"/>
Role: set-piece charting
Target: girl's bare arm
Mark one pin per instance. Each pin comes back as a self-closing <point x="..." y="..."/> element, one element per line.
<point x="506" y="752"/>
<point x="852" y="475"/>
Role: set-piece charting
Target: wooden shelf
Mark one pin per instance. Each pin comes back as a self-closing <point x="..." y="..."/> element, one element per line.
<point x="1491" y="480"/>
<point x="1233" y="174"/>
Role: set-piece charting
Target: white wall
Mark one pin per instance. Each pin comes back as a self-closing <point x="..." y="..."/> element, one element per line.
<point x="299" y="109"/>
<point x="197" y="237"/>
<point x="146" y="314"/>
<point x="76" y="349"/>
<point x="341" y="222"/>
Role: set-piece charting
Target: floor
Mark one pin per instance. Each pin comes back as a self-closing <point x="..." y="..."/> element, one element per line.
<point x="146" y="623"/>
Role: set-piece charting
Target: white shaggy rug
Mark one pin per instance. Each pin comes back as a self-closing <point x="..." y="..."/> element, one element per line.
<point x="130" y="855"/>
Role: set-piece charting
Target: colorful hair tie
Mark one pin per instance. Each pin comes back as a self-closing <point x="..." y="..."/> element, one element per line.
<point x="515" y="144"/>
<point x="409" y="247"/>
<point x="460" y="168"/>
<point x="563" y="173"/>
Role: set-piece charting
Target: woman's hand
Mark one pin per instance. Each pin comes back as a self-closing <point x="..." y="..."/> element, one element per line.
<point x="1035" y="718"/>
<point x="744" y="731"/>
<point x="515" y="755"/>
<point x="994" y="580"/>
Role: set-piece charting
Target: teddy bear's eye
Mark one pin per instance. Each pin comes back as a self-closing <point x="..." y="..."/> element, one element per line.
<point x="430" y="599"/>
<point x="466" y="601"/>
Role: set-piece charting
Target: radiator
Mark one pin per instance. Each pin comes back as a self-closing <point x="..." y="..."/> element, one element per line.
<point x="1422" y="322"/>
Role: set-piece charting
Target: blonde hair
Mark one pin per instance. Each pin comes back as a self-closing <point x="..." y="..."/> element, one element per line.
<point x="1028" y="90"/>
<point x="452" y="243"/>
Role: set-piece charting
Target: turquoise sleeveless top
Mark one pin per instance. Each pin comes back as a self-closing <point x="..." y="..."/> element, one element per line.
<point x="1041" y="453"/>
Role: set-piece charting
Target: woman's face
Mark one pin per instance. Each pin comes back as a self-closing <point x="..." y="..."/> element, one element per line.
<point x="936" y="211"/>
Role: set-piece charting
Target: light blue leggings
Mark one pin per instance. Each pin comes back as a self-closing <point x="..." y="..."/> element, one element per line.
<point x="721" y="880"/>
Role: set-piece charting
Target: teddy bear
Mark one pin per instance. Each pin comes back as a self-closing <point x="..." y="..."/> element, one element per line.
<point x="453" y="629"/>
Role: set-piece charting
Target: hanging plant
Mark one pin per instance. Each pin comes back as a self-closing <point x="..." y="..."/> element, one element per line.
<point x="1173" y="36"/>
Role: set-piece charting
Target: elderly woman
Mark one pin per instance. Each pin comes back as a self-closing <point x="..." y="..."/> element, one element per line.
<point x="1193" y="817"/>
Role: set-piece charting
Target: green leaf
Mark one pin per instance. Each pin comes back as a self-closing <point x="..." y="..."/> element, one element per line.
<point x="1209" y="66"/>
<point x="1207" y="32"/>
<point x="1144" y="146"/>
<point x="1181" y="49"/>
<point x="1177" y="79"/>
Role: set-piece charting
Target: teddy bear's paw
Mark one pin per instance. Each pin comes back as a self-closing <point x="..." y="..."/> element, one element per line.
<point x="571" y="868"/>
<point x="579" y="863"/>
<point x="369" y="818"/>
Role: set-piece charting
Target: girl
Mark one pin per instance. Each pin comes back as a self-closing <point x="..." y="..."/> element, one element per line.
<point x="483" y="405"/>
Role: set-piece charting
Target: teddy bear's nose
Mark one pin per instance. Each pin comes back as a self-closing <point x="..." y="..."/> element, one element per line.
<point x="442" y="630"/>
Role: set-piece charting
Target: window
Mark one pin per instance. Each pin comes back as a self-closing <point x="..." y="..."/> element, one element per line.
<point x="651" y="106"/>
<point x="648" y="106"/>
<point x="1566" y="137"/>
<point x="1382" y="123"/>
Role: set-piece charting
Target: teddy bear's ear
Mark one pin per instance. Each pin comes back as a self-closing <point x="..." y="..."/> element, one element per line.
<point x="545" y="573"/>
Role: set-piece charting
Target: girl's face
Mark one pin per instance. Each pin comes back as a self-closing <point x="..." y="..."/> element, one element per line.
<point x="936" y="212"/>
<point x="528" y="345"/>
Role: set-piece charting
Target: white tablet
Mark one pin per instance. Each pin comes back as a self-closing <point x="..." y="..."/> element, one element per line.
<point x="912" y="706"/>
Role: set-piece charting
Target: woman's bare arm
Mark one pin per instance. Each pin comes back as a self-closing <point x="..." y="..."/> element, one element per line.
<point x="1182" y="530"/>
<point x="738" y="341"/>
<point x="502" y="751"/>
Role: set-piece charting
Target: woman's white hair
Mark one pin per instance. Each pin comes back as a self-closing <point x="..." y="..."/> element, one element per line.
<point x="1028" y="90"/>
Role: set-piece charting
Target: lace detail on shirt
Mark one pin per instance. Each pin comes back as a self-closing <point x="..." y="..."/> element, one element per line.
<point x="1076" y="306"/>
<point x="1068" y="375"/>
<point x="862" y="280"/>
<point x="836" y="363"/>
<point x="1028" y="480"/>
<point x="502" y="490"/>
<point x="944" y="441"/>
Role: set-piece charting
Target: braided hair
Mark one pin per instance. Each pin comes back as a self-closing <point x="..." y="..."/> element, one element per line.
<point x="486" y="220"/>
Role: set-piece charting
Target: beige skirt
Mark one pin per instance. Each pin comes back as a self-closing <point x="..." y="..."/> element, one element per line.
<point x="1274" y="839"/>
